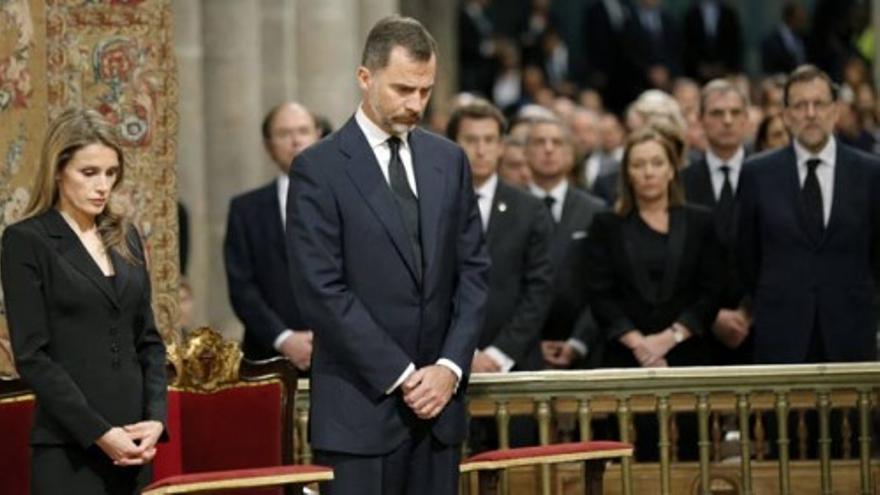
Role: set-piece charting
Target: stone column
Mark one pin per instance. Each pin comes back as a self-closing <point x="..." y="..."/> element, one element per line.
<point x="192" y="171"/>
<point x="328" y="49"/>
<point x="371" y="12"/>
<point x="233" y="112"/>
<point x="440" y="17"/>
<point x="278" y="48"/>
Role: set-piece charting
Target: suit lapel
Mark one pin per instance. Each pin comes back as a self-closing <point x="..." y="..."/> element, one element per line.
<point x="431" y="190"/>
<point x="703" y="192"/>
<point x="498" y="215"/>
<point x="365" y="174"/>
<point x="844" y="178"/>
<point x="571" y="214"/>
<point x="272" y="218"/>
<point x="71" y="249"/>
<point x="677" y="236"/>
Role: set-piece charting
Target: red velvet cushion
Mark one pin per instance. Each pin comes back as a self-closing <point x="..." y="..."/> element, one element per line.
<point x="16" y="420"/>
<point x="300" y="472"/>
<point x="236" y="428"/>
<point x="540" y="451"/>
<point x="169" y="455"/>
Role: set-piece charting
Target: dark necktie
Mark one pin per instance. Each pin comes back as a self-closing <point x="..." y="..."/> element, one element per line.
<point x="812" y="197"/>
<point x="549" y="201"/>
<point x="724" y="208"/>
<point x="406" y="200"/>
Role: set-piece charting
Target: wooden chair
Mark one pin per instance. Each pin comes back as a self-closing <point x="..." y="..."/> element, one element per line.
<point x="594" y="455"/>
<point x="230" y="422"/>
<point x="16" y="419"/>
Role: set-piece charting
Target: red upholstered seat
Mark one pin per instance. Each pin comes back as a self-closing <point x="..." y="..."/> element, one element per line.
<point x="547" y="454"/>
<point x="239" y="478"/>
<point x="16" y="419"/>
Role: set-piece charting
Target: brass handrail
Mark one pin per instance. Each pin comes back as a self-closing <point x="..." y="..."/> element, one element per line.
<point x="736" y="390"/>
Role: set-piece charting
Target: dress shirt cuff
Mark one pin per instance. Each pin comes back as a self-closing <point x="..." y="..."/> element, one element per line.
<point x="403" y="376"/>
<point x="503" y="360"/>
<point x="455" y="370"/>
<point x="578" y="346"/>
<point x="281" y="338"/>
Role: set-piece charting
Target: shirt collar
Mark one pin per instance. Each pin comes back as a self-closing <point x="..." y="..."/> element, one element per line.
<point x="557" y="193"/>
<point x="826" y="154"/>
<point x="376" y="136"/>
<point x="734" y="162"/>
<point x="487" y="190"/>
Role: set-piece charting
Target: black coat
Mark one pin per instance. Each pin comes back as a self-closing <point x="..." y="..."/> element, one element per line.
<point x="257" y="271"/>
<point x="373" y="310"/>
<point x="520" y="292"/>
<point x="568" y="254"/>
<point x="798" y="282"/>
<point x="619" y="288"/>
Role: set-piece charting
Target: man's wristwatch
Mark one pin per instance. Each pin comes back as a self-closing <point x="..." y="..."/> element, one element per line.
<point x="677" y="333"/>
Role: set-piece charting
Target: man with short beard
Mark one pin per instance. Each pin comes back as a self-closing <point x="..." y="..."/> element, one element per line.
<point x="387" y="259"/>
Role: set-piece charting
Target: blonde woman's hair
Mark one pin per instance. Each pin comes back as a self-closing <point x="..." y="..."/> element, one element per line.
<point x="73" y="130"/>
<point x="626" y="201"/>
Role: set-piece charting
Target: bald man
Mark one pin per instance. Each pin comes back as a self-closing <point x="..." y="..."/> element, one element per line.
<point x="254" y="250"/>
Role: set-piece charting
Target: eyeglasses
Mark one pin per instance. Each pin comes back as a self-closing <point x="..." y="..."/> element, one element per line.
<point x="818" y="105"/>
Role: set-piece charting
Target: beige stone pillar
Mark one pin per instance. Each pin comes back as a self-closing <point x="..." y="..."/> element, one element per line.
<point x="372" y="11"/>
<point x="192" y="170"/>
<point x="328" y="47"/>
<point x="278" y="49"/>
<point x="440" y="17"/>
<point x="232" y="113"/>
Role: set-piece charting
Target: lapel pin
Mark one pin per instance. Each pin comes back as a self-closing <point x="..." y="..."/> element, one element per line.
<point x="502" y="207"/>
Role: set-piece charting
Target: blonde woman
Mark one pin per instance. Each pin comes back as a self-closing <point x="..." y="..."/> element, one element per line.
<point x="654" y="271"/>
<point x="78" y="308"/>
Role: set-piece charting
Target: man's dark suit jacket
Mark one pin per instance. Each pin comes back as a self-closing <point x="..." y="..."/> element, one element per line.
<point x="619" y="286"/>
<point x="257" y="271"/>
<point x="568" y="254"/>
<point x="697" y="180"/>
<point x="723" y="52"/>
<point x="797" y="280"/>
<point x="355" y="276"/>
<point x="776" y="57"/>
<point x="518" y="239"/>
<point x="89" y="350"/>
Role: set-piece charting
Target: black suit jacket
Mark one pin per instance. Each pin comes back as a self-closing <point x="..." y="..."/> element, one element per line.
<point x="91" y="354"/>
<point x="257" y="271"/>
<point x="697" y="182"/>
<point x="706" y="57"/>
<point x="619" y="287"/>
<point x="355" y="276"/>
<point x="777" y="57"/>
<point x="796" y="280"/>
<point x="518" y="239"/>
<point x="568" y="253"/>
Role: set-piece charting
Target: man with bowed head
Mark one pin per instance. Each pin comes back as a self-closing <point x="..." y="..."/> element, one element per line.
<point x="387" y="260"/>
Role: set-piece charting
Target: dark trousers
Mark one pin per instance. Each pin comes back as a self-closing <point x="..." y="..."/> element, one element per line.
<point x="419" y="466"/>
<point x="72" y="470"/>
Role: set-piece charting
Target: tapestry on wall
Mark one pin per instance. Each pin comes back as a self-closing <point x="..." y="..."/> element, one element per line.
<point x="114" y="56"/>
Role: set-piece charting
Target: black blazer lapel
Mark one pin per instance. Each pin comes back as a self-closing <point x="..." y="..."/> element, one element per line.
<point x="638" y="270"/>
<point x="365" y="174"/>
<point x="431" y="190"/>
<point x="498" y="215"/>
<point x="71" y="249"/>
<point x="698" y="187"/>
<point x="274" y="226"/>
<point x="846" y="176"/>
<point x="677" y="237"/>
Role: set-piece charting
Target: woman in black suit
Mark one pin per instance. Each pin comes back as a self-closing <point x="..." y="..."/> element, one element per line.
<point x="78" y="307"/>
<point x="654" y="269"/>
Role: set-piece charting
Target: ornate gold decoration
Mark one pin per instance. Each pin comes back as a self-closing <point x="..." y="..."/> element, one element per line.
<point x="205" y="361"/>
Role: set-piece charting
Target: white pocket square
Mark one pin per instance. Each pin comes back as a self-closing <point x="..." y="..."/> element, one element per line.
<point x="578" y="234"/>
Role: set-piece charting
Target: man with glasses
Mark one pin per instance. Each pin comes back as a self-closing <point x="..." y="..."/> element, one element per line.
<point x="809" y="228"/>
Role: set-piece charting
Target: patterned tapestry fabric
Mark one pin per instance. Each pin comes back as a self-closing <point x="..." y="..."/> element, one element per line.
<point x="115" y="56"/>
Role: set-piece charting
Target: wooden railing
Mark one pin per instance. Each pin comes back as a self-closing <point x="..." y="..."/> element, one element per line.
<point x="750" y="394"/>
